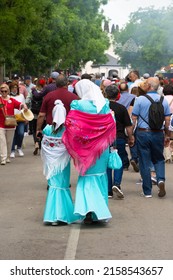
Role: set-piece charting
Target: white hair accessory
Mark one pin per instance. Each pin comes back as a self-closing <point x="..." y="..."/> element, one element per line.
<point x="58" y="113"/>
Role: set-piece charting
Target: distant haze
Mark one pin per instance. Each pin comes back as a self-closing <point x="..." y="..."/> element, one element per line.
<point x="118" y="11"/>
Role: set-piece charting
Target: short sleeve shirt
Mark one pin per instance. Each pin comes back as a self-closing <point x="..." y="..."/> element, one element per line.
<point x="141" y="108"/>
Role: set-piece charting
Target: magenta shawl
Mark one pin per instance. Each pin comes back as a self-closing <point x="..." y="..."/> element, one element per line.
<point x="87" y="136"/>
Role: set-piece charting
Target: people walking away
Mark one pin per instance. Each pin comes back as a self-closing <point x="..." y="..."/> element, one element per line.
<point x="123" y="122"/>
<point x="151" y="140"/>
<point x="47" y="106"/>
<point x="126" y="99"/>
<point x="47" y="88"/>
<point x="168" y="95"/>
<point x="90" y="130"/>
<point x="7" y="106"/>
<point x="59" y="206"/>
<point x="98" y="79"/>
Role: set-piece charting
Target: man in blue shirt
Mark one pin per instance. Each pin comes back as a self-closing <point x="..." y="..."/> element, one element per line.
<point x="150" y="143"/>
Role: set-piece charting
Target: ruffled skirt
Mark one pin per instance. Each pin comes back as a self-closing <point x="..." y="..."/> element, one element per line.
<point x="59" y="204"/>
<point x="92" y="191"/>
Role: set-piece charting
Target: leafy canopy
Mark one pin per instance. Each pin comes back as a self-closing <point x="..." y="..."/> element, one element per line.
<point x="146" y="42"/>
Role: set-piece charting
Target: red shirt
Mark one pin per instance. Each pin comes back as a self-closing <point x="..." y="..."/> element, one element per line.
<point x="9" y="107"/>
<point x="48" y="102"/>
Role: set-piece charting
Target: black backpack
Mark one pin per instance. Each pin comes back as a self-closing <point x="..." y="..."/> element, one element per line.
<point x="156" y="115"/>
<point x="36" y="104"/>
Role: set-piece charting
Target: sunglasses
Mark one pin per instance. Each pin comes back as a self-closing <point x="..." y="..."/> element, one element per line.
<point x="4" y="91"/>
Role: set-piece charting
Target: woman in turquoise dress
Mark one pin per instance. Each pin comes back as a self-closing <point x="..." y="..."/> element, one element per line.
<point x="90" y="129"/>
<point x="56" y="168"/>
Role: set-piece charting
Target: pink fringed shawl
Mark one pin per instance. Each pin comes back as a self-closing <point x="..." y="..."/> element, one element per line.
<point x="87" y="136"/>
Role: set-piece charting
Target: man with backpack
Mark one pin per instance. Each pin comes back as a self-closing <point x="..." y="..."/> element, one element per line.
<point x="152" y="114"/>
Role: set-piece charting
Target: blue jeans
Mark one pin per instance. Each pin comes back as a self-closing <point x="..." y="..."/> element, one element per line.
<point x="150" y="147"/>
<point x="18" y="136"/>
<point x="134" y="150"/>
<point x="117" y="174"/>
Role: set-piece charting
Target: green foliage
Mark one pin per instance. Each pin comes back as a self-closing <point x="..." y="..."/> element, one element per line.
<point x="151" y="31"/>
<point x="44" y="34"/>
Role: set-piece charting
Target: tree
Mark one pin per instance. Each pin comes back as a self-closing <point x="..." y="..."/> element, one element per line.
<point x="43" y="34"/>
<point x="150" y="30"/>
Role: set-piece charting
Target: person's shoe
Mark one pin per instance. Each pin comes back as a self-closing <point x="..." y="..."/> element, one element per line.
<point x="154" y="180"/>
<point x="161" y="186"/>
<point x="134" y="165"/>
<point x="36" y="149"/>
<point x="3" y="162"/>
<point x="146" y="195"/>
<point x="12" y="155"/>
<point x="110" y="194"/>
<point x="8" y="160"/>
<point x="21" y="154"/>
<point x="118" y="192"/>
<point x="88" y="219"/>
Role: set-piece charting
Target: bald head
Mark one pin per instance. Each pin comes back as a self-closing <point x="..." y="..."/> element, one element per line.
<point x="61" y="81"/>
<point x="153" y="83"/>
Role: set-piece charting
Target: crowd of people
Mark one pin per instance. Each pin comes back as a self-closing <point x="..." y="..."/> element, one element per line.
<point x="79" y="120"/>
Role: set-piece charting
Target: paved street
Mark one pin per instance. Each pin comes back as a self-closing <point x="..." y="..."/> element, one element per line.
<point x="140" y="228"/>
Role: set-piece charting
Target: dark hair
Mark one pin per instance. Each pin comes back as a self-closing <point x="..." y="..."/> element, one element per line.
<point x="61" y="81"/>
<point x="86" y="76"/>
<point x="136" y="72"/>
<point x="168" y="89"/>
<point x="111" y="91"/>
<point x="14" y="84"/>
<point x="54" y="131"/>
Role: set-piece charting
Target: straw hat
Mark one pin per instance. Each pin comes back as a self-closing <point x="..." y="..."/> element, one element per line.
<point x="28" y="115"/>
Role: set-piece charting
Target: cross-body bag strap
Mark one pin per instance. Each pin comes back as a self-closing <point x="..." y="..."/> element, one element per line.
<point x="2" y="108"/>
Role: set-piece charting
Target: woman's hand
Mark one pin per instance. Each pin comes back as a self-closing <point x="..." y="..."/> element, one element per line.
<point x="24" y="106"/>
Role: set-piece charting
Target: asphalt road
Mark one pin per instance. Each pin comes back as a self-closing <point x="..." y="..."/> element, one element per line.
<point x="140" y="229"/>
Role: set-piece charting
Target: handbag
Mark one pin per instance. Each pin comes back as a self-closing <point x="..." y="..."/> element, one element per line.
<point x="114" y="161"/>
<point x="10" y="120"/>
<point x="19" y="118"/>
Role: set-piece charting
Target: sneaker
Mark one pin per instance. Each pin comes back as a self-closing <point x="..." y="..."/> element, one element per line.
<point x="3" y="162"/>
<point x="146" y="195"/>
<point x="54" y="224"/>
<point x="118" y="192"/>
<point x="135" y="166"/>
<point x="8" y="160"/>
<point x="110" y="194"/>
<point x="139" y="182"/>
<point x="154" y="180"/>
<point x="12" y="155"/>
<point x="21" y="154"/>
<point x="161" y="186"/>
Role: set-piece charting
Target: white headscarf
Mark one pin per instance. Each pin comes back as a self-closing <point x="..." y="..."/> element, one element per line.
<point x="58" y="113"/>
<point x="87" y="90"/>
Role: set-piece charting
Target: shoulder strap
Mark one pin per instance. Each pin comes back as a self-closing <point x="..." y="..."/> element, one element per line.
<point x="152" y="101"/>
<point x="161" y="99"/>
<point x="149" y="98"/>
<point x="2" y="108"/>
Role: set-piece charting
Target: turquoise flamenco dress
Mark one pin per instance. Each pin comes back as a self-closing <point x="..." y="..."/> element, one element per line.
<point x="59" y="205"/>
<point x="92" y="188"/>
